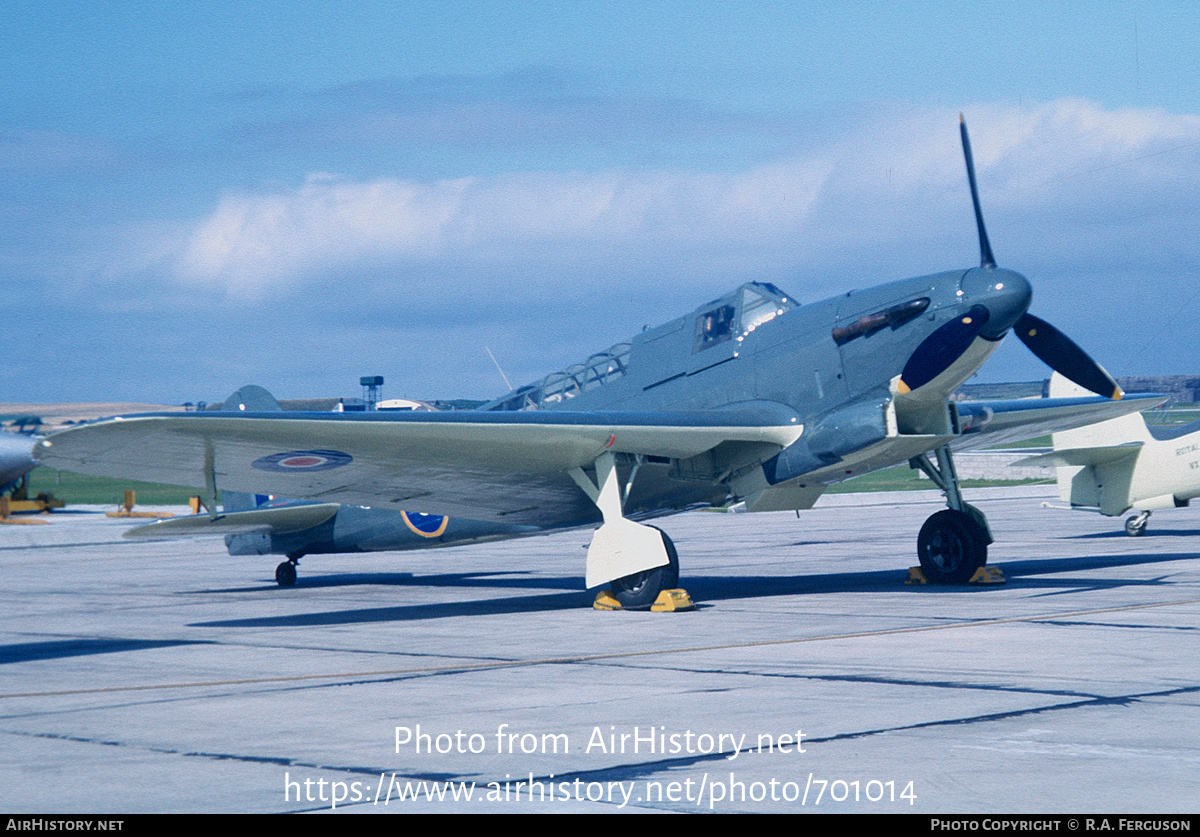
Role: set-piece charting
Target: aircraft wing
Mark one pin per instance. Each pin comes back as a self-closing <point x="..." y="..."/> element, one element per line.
<point x="989" y="423"/>
<point x="982" y="424"/>
<point x="505" y="466"/>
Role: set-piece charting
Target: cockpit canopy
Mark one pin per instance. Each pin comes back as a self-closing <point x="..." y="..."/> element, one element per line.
<point x="739" y="313"/>
<point x="733" y="316"/>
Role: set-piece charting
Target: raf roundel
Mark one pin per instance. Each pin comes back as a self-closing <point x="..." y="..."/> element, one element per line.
<point x="425" y="525"/>
<point x="302" y="460"/>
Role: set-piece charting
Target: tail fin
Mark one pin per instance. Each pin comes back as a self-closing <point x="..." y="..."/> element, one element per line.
<point x="1094" y="464"/>
<point x="237" y="501"/>
<point x="1118" y="431"/>
<point x="252" y="399"/>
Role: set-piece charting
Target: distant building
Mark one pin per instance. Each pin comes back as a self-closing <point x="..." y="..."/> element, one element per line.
<point x="1181" y="388"/>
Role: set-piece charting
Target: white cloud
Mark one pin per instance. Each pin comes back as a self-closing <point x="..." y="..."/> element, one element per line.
<point x="252" y="244"/>
<point x="256" y="245"/>
<point x="889" y="194"/>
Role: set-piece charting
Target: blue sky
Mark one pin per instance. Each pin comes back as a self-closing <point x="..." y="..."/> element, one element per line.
<point x="199" y="196"/>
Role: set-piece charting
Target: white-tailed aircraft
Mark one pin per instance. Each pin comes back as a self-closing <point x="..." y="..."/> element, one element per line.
<point x="1114" y="466"/>
<point x="752" y="397"/>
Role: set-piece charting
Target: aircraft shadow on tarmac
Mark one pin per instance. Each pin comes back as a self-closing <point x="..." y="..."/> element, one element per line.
<point x="503" y="578"/>
<point x="704" y="589"/>
<point x="53" y="649"/>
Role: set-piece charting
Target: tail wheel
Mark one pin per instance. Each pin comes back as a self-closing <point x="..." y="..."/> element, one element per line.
<point x="638" y="591"/>
<point x="951" y="547"/>
<point x="285" y="574"/>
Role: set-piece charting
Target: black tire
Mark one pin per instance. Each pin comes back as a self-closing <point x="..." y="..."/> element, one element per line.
<point x="285" y="574"/>
<point x="638" y="591"/>
<point x="1135" y="529"/>
<point x="951" y="546"/>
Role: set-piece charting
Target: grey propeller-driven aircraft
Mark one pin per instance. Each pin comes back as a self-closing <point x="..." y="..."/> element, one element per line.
<point x="752" y="397"/>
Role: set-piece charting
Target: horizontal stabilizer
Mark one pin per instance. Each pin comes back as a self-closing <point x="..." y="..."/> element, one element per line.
<point x="274" y="521"/>
<point x="1081" y="457"/>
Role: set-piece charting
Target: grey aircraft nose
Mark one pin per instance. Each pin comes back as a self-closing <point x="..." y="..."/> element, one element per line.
<point x="1005" y="293"/>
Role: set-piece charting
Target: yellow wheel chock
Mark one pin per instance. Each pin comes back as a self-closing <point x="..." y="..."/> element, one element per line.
<point x="983" y="575"/>
<point x="668" y="601"/>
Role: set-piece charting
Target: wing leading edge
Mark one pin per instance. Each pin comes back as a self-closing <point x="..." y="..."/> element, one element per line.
<point x="989" y="423"/>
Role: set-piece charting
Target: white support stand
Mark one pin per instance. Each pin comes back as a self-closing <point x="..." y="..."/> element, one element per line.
<point x="620" y="547"/>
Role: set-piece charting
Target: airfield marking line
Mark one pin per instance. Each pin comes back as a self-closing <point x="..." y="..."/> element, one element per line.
<point x="586" y="658"/>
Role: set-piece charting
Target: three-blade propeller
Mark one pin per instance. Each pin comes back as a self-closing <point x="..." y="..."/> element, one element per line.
<point x="947" y="343"/>
<point x="1060" y="353"/>
<point x="942" y="348"/>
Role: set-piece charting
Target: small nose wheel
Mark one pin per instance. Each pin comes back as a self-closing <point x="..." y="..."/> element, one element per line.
<point x="1135" y="526"/>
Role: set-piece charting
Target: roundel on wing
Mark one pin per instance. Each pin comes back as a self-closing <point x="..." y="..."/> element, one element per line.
<point x="425" y="525"/>
<point x="302" y="460"/>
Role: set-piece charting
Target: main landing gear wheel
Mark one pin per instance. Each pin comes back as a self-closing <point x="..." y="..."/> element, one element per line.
<point x="1135" y="526"/>
<point x="285" y="573"/>
<point x="638" y="591"/>
<point x="951" y="546"/>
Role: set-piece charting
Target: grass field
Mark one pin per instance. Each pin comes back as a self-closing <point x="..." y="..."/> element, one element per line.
<point x="904" y="478"/>
<point x="78" y="489"/>
<point x="1173" y="416"/>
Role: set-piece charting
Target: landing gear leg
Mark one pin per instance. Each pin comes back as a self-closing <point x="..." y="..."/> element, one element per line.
<point x="1135" y="526"/>
<point x="637" y="561"/>
<point x="285" y="573"/>
<point x="953" y="543"/>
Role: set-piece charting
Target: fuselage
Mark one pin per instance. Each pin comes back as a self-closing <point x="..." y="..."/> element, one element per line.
<point x="758" y="344"/>
<point x="835" y="363"/>
<point x="1125" y="464"/>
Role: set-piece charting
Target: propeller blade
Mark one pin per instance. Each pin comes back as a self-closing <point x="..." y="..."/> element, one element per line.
<point x="1060" y="353"/>
<point x="986" y="259"/>
<point x="942" y="348"/>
